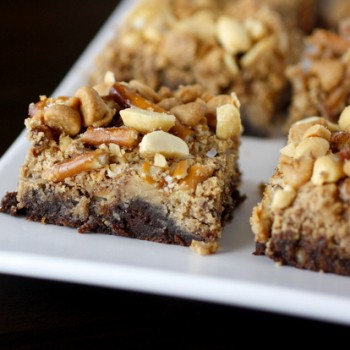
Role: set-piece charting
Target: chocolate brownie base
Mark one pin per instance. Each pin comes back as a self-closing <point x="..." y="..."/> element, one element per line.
<point x="9" y="205"/>
<point x="137" y="219"/>
<point x="314" y="255"/>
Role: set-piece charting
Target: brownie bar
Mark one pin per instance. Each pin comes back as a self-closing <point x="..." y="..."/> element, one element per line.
<point x="321" y="79"/>
<point x="242" y="46"/>
<point x="124" y="159"/>
<point x="303" y="217"/>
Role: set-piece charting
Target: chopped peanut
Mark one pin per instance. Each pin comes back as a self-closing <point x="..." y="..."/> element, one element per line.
<point x="318" y="130"/>
<point x="228" y="121"/>
<point x="283" y="198"/>
<point x="146" y="121"/>
<point x="255" y="53"/>
<point x="311" y="147"/>
<point x="232" y="35"/>
<point x="327" y="169"/>
<point x="330" y="72"/>
<point x="296" y="172"/>
<point x="160" y="161"/>
<point x="344" y="119"/>
<point x="63" y="119"/>
<point x="299" y="128"/>
<point x="95" y="111"/>
<point x="190" y="113"/>
<point x="164" y="143"/>
<point x="255" y="28"/>
<point x="288" y="150"/>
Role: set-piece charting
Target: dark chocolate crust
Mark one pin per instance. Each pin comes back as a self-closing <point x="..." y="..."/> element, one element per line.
<point x="305" y="253"/>
<point x="8" y="204"/>
<point x="136" y="219"/>
<point x="259" y="248"/>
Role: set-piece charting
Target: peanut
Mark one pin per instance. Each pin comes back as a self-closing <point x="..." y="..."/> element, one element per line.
<point x="328" y="168"/>
<point x="63" y="119"/>
<point x="232" y="35"/>
<point x="255" y="28"/>
<point x="283" y="198"/>
<point x="231" y="63"/>
<point x="228" y="123"/>
<point x="330" y="72"/>
<point x="311" y="147"/>
<point x="95" y="111"/>
<point x="104" y="87"/>
<point x="160" y="161"/>
<point x="146" y="121"/>
<point x="298" y="129"/>
<point x="318" y="131"/>
<point x="288" y="150"/>
<point x="257" y="50"/>
<point x="168" y="145"/>
<point x="190" y="113"/>
<point x="296" y="172"/>
<point x="344" y="119"/>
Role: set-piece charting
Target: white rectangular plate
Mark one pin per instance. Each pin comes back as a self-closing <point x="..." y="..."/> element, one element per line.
<point x="233" y="276"/>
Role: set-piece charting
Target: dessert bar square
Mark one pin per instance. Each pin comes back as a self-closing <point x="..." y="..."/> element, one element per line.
<point x="303" y="219"/>
<point x="242" y="46"/>
<point x="124" y="159"/>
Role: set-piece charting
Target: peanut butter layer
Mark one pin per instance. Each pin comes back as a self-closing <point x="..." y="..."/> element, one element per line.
<point x="303" y="217"/>
<point x="119" y="157"/>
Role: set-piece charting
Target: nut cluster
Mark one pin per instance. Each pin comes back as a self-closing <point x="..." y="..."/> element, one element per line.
<point x="318" y="151"/>
<point x="252" y="37"/>
<point x="116" y="118"/>
<point x="69" y="114"/>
